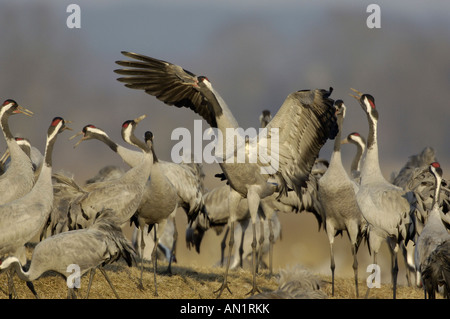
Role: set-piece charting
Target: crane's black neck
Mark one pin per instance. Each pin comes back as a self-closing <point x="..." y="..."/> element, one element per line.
<point x="357" y="159"/>
<point x="373" y="119"/>
<point x="105" y="139"/>
<point x="143" y="146"/>
<point x="131" y="139"/>
<point x="26" y="149"/>
<point x="5" y="127"/>
<point x="49" y="151"/>
<point x="155" y="158"/>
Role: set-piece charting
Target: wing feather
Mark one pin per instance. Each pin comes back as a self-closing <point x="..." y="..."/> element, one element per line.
<point x="305" y="121"/>
<point x="168" y="82"/>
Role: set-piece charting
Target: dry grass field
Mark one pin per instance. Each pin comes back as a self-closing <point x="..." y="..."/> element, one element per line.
<point x="186" y="283"/>
<point x="196" y="276"/>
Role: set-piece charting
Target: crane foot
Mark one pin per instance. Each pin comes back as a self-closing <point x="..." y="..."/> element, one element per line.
<point x="253" y="291"/>
<point x="220" y="290"/>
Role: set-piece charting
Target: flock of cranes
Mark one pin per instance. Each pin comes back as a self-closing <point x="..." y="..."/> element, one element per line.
<point x="81" y="224"/>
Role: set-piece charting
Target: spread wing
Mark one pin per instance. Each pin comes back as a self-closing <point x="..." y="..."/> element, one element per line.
<point x="168" y="82"/>
<point x="305" y="121"/>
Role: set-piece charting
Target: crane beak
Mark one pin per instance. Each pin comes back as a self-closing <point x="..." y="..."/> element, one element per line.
<point x="23" y="110"/>
<point x="345" y="141"/>
<point x="357" y="92"/>
<point x="140" y="118"/>
<point x="4" y="157"/>
<point x="81" y="140"/>
<point x="66" y="127"/>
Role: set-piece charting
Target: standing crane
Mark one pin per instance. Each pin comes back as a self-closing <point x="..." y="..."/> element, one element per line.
<point x="383" y="205"/>
<point x="110" y="172"/>
<point x="217" y="214"/>
<point x="23" y="218"/>
<point x="409" y="175"/>
<point x="337" y="194"/>
<point x="19" y="178"/>
<point x="122" y="195"/>
<point x="304" y="122"/>
<point x="100" y="244"/>
<point x="170" y="186"/>
<point x="433" y="246"/>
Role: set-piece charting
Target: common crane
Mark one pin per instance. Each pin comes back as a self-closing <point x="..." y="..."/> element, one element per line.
<point x="170" y="186"/>
<point x="100" y="244"/>
<point x="337" y="194"/>
<point x="433" y="246"/>
<point x="19" y="178"/>
<point x="383" y="205"/>
<point x="304" y="122"/>
<point x="23" y="218"/>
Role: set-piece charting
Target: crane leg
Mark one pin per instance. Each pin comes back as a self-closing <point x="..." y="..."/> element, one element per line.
<point x="271" y="243"/>
<point x="91" y="278"/>
<point x="355" y="268"/>
<point x="31" y="287"/>
<point x="158" y="231"/>
<point x="253" y="204"/>
<point x="223" y="245"/>
<point x="244" y="225"/>
<point x="375" y="253"/>
<point x="141" y="232"/>
<point x="331" y="233"/>
<point x="261" y="242"/>
<point x="174" y="244"/>
<point x="11" y="287"/>
<point x="394" y="265"/>
<point x="332" y="267"/>
<point x="109" y="281"/>
<point x="71" y="293"/>
<point x="233" y="203"/>
<point x="230" y="248"/>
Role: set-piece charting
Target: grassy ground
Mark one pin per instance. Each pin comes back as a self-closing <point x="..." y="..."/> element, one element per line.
<point x="186" y="283"/>
<point x="196" y="277"/>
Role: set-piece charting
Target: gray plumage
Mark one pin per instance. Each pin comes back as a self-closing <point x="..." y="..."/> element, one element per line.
<point x="122" y="195"/>
<point x="422" y="184"/>
<point x="106" y="173"/>
<point x="166" y="242"/>
<point x="412" y="178"/>
<point x="337" y="194"/>
<point x="433" y="246"/>
<point x="18" y="179"/>
<point x="295" y="283"/>
<point x="100" y="244"/>
<point x="304" y="122"/>
<point x="170" y="186"/>
<point x="383" y="205"/>
<point x="217" y="217"/>
<point x="359" y="141"/>
<point x="421" y="160"/>
<point x="23" y="218"/>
